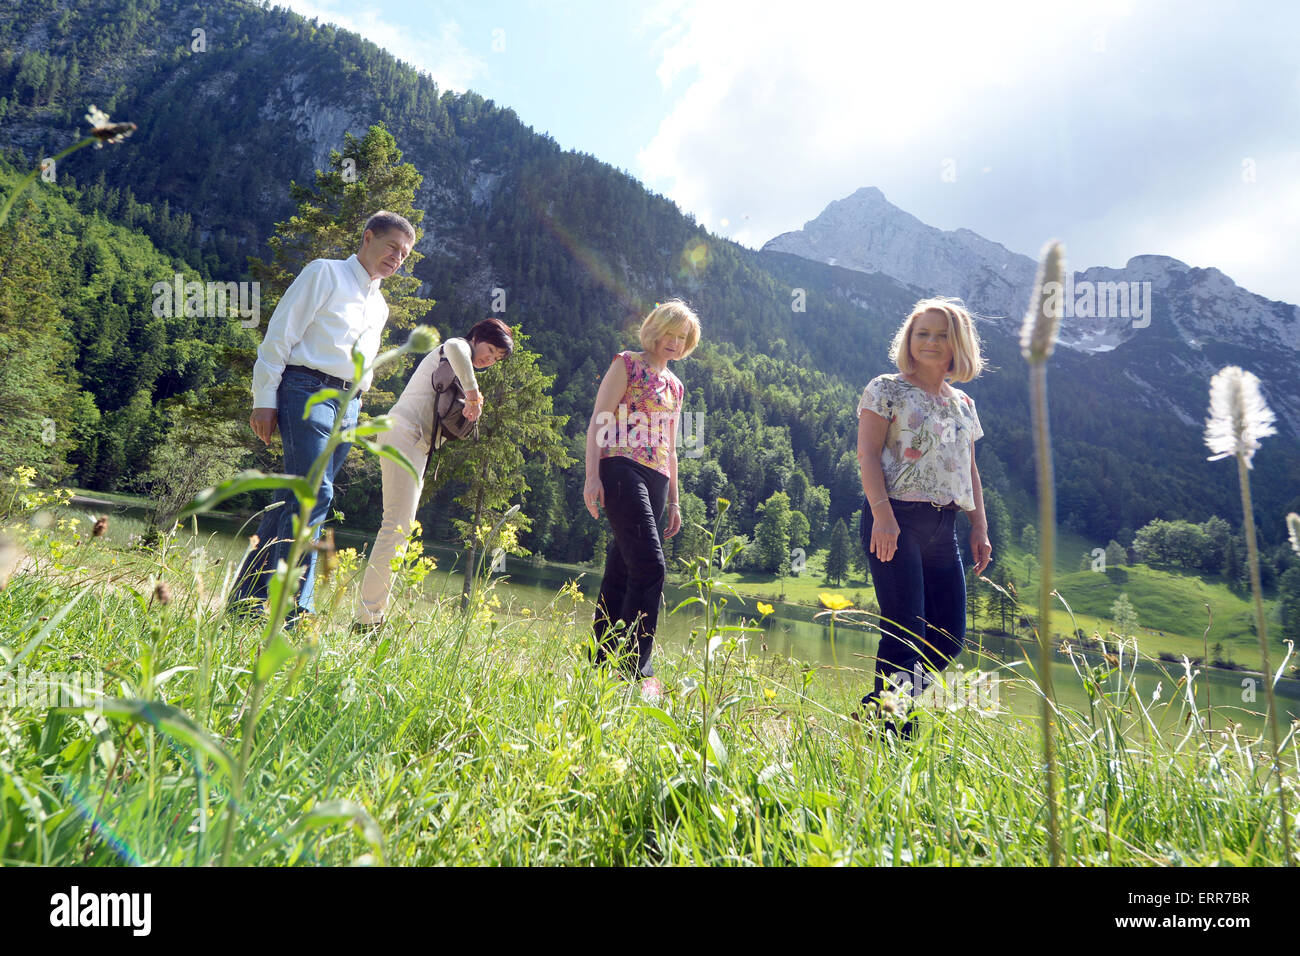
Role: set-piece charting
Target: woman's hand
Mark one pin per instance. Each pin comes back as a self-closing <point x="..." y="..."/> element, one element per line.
<point x="980" y="548"/>
<point x="593" y="493"/>
<point x="884" y="535"/>
<point x="674" y="521"/>
<point x="473" y="405"/>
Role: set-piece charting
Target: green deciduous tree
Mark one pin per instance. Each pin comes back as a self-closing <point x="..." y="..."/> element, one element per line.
<point x="1124" y="616"/>
<point x="693" y="540"/>
<point x="817" y="506"/>
<point x="799" y="530"/>
<point x="772" y="534"/>
<point x="201" y="449"/>
<point x="995" y="510"/>
<point x="1029" y="538"/>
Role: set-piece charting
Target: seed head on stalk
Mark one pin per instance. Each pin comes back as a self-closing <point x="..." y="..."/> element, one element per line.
<point x="423" y="338"/>
<point x="1043" y="320"/>
<point x="1037" y="341"/>
<point x="1239" y="418"/>
<point x="101" y="131"/>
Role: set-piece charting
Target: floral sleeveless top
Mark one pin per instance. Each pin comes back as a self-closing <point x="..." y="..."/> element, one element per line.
<point x="927" y="452"/>
<point x="641" y="427"/>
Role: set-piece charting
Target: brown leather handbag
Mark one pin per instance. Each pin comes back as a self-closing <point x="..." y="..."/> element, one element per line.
<point x="449" y="421"/>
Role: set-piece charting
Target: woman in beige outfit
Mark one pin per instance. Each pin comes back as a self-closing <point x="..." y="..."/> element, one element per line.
<point x="486" y="344"/>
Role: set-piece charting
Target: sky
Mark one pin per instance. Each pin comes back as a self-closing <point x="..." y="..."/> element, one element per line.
<point x="1121" y="128"/>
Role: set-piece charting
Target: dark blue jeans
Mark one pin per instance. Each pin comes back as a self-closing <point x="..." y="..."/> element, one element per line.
<point x="303" y="441"/>
<point x="921" y="592"/>
<point x="627" y="610"/>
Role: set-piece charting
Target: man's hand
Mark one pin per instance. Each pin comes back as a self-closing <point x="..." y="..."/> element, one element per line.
<point x="263" y="422"/>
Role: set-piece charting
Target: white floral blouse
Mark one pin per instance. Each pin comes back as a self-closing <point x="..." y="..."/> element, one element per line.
<point x="927" y="452"/>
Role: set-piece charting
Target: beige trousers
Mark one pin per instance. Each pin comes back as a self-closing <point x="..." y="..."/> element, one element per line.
<point x="401" y="498"/>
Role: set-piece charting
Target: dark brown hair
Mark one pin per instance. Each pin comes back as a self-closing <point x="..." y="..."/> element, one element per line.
<point x="493" y="332"/>
<point x="384" y="222"/>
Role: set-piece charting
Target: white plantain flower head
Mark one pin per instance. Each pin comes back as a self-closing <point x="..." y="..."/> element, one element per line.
<point x="1042" y="323"/>
<point x="1239" y="416"/>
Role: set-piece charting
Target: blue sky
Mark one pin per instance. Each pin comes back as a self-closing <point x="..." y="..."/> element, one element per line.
<point x="1123" y="128"/>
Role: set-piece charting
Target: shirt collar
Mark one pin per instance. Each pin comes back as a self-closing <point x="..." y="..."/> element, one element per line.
<point x="361" y="275"/>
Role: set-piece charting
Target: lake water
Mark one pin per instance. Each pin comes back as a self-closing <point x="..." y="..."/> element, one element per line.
<point x="1235" y="696"/>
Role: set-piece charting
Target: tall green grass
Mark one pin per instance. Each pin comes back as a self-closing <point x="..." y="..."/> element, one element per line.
<point x="488" y="738"/>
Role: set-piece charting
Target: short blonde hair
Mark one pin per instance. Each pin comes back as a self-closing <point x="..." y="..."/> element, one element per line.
<point x="967" y="362"/>
<point x="671" y="316"/>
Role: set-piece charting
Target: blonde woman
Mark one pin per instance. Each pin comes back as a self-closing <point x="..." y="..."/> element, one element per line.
<point x="632" y="472"/>
<point x="487" y="343"/>
<point x="916" y="453"/>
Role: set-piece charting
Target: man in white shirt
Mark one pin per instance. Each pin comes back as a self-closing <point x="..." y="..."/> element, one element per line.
<point x="333" y="306"/>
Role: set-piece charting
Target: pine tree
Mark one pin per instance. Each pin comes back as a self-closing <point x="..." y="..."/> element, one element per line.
<point x="368" y="175"/>
<point x="837" y="557"/>
<point x="1288" y="595"/>
<point x="38" y="401"/>
<point x="1002" y="603"/>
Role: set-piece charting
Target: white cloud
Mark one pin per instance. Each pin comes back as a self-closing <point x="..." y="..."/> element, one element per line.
<point x="441" y="53"/>
<point x="823" y="93"/>
<point x="1245" y="230"/>
<point x="1101" y="124"/>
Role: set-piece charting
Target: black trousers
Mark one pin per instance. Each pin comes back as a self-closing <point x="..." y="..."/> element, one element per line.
<point x="922" y="596"/>
<point x="627" y="610"/>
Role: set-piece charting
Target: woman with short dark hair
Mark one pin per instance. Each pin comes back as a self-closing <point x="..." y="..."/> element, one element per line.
<point x="487" y="343"/>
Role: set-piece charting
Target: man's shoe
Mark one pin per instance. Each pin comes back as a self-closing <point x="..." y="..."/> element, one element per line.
<point x="365" y="629"/>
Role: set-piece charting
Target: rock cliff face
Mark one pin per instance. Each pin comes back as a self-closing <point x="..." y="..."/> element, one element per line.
<point x="1195" y="319"/>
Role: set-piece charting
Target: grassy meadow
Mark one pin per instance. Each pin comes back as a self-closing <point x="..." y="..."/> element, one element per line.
<point x="488" y="738"/>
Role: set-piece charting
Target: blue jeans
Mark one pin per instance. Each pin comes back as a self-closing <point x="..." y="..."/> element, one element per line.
<point x="921" y="592"/>
<point x="304" y="440"/>
<point x="635" y="567"/>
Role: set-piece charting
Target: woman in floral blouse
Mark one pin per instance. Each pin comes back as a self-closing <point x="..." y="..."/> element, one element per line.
<point x="632" y="472"/>
<point x="916" y="453"/>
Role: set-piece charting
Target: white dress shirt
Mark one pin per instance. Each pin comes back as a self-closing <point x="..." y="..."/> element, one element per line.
<point x="332" y="306"/>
